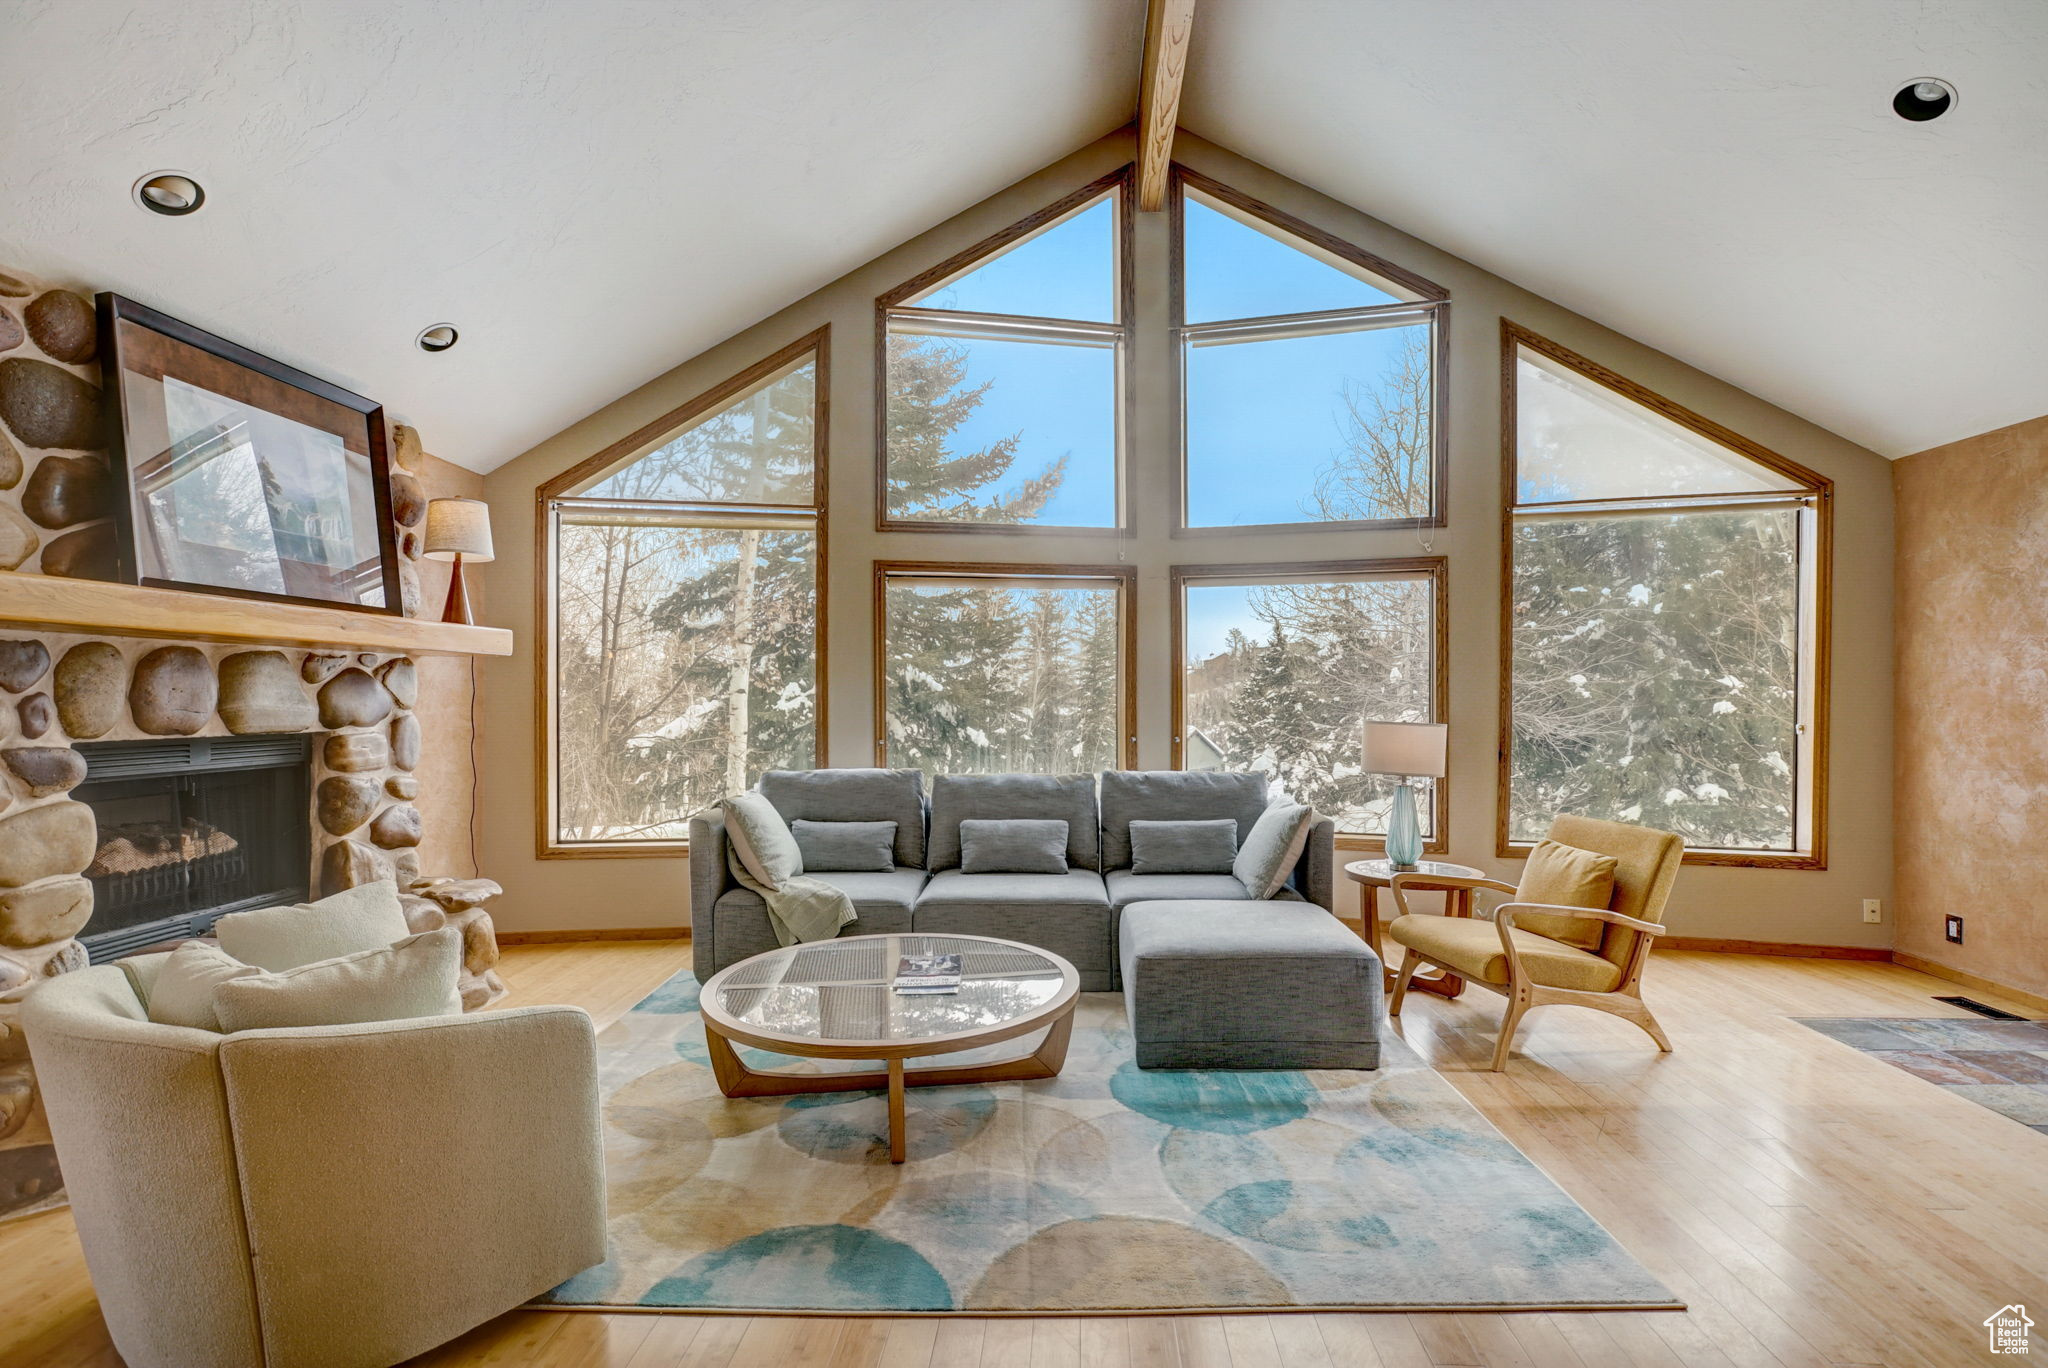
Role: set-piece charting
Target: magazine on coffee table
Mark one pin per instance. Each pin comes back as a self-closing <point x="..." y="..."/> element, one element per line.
<point x="920" y="974"/>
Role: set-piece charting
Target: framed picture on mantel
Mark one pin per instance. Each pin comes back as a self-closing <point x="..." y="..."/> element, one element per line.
<point x="237" y="474"/>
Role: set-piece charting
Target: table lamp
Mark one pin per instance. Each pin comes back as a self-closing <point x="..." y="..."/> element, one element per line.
<point x="1406" y="750"/>
<point x="458" y="528"/>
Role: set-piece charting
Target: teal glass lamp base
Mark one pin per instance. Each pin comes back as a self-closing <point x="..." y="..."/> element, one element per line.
<point x="1404" y="830"/>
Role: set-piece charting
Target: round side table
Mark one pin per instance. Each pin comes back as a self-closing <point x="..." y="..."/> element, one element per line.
<point x="1454" y="881"/>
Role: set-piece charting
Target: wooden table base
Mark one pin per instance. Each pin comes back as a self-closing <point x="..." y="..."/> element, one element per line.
<point x="737" y="1079"/>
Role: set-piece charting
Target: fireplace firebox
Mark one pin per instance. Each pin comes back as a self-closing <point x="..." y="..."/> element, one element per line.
<point x="192" y="828"/>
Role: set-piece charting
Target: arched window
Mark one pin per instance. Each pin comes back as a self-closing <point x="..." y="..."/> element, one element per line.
<point x="685" y="638"/>
<point x="1663" y="628"/>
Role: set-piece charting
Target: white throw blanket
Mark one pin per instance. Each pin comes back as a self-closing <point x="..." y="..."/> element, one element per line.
<point x="802" y="909"/>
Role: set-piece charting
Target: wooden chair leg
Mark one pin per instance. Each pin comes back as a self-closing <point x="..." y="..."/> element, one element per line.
<point x="1410" y="962"/>
<point x="1518" y="1004"/>
<point x="1634" y="1009"/>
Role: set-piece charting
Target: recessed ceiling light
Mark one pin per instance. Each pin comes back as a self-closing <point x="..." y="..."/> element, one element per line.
<point x="437" y="338"/>
<point x="1924" y="99"/>
<point x="170" y="193"/>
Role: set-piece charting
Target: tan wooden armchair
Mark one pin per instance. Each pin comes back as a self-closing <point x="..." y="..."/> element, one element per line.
<point x="1534" y="970"/>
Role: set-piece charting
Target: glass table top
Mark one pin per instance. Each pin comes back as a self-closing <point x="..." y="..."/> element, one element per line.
<point x="840" y="989"/>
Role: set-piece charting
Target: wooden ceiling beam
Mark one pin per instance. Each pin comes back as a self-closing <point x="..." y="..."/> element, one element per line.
<point x="1168" y="25"/>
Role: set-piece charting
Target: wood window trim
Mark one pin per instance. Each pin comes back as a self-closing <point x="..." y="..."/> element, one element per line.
<point x="1817" y="581"/>
<point x="1122" y="184"/>
<point x="816" y="344"/>
<point x="1436" y="569"/>
<point x="1125" y="577"/>
<point x="1433" y="302"/>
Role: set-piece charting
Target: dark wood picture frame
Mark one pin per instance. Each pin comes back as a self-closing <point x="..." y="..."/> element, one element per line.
<point x="114" y="309"/>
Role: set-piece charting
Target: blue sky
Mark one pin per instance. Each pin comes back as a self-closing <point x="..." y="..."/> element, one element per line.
<point x="1263" y="417"/>
<point x="1213" y="609"/>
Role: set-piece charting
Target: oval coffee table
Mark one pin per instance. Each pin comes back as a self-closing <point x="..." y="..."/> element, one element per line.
<point x="833" y="1000"/>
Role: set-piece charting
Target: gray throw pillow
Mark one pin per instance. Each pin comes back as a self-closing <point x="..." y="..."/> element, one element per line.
<point x="762" y="840"/>
<point x="1269" y="853"/>
<point x="1191" y="847"/>
<point x="846" y="847"/>
<point x="1013" y="845"/>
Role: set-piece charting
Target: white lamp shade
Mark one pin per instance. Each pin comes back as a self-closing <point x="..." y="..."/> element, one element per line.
<point x="458" y="527"/>
<point x="1406" y="748"/>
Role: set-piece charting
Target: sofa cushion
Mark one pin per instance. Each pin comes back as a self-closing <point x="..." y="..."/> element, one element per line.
<point x="1067" y="914"/>
<point x="1013" y="845"/>
<point x="762" y="840"/>
<point x="1126" y="888"/>
<point x="1472" y="947"/>
<point x="854" y="795"/>
<point x="1069" y="798"/>
<point x="366" y="917"/>
<point x="846" y="847"/>
<point x="182" y="994"/>
<point x="882" y="903"/>
<point x="1566" y="876"/>
<point x="414" y="978"/>
<point x="1174" y="795"/>
<point x="1195" y="846"/>
<point x="1267" y="856"/>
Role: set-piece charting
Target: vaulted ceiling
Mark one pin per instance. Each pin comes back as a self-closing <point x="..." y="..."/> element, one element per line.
<point x="594" y="193"/>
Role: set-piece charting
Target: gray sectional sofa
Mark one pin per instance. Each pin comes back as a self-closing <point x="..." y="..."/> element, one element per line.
<point x="1076" y="914"/>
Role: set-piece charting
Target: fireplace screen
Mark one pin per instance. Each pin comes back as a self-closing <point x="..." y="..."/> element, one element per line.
<point x="190" y="829"/>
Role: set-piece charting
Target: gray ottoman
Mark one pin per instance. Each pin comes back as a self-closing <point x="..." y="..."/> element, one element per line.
<point x="1248" y="985"/>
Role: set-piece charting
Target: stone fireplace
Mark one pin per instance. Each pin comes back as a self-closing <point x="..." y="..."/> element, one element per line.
<point x="166" y="757"/>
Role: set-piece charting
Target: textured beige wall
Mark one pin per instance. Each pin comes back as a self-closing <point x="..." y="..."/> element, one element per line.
<point x="1972" y="729"/>
<point x="1773" y="905"/>
<point x="447" y="800"/>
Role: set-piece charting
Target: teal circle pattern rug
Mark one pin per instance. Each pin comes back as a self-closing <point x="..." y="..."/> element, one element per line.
<point x="1109" y="1188"/>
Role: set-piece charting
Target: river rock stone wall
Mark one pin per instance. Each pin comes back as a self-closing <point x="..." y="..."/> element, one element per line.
<point x="56" y="494"/>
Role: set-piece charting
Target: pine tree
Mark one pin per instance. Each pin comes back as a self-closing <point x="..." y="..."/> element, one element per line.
<point x="928" y="401"/>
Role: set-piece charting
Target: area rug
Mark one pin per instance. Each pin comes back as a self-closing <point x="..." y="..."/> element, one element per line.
<point x="1105" y="1189"/>
<point x="2002" y="1065"/>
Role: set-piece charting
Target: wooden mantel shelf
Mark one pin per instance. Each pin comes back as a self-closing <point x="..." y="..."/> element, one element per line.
<point x="49" y="603"/>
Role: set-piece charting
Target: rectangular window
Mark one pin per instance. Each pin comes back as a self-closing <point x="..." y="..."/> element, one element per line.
<point x="1279" y="666"/>
<point x="1309" y="373"/>
<point x="1002" y="377"/>
<point x="1662" y="631"/>
<point x="683" y="630"/>
<point x="1656" y="674"/>
<point x="1003" y="668"/>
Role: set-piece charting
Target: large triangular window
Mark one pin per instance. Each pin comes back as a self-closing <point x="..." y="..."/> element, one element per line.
<point x="684" y="642"/>
<point x="1667" y="661"/>
<point x="1310" y="367"/>
<point x="1002" y="375"/>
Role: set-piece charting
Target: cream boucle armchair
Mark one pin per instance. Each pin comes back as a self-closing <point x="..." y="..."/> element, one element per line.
<point x="322" y="1197"/>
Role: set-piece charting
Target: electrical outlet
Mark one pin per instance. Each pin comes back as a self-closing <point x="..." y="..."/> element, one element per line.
<point x="1952" y="927"/>
<point x="1873" y="910"/>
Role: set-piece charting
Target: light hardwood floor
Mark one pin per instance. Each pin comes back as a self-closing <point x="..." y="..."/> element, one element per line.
<point x="1814" y="1207"/>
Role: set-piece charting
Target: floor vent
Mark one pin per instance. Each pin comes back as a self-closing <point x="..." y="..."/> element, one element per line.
<point x="1972" y="1005"/>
